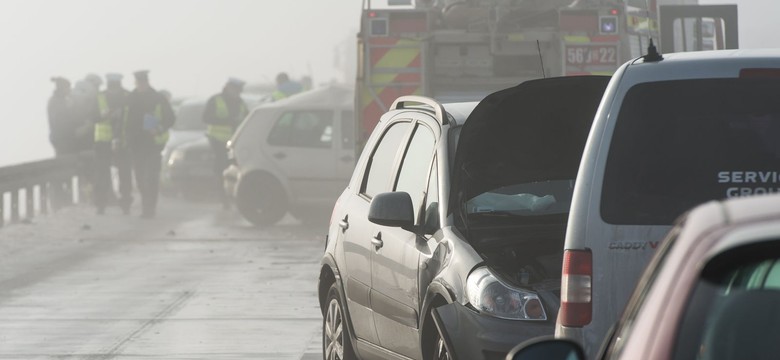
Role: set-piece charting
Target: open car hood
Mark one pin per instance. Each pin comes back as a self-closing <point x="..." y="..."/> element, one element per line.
<point x="535" y="131"/>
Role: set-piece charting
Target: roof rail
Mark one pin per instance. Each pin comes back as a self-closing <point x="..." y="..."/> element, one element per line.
<point x="438" y="109"/>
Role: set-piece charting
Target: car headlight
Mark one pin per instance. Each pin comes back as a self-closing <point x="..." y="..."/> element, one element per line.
<point x="177" y="156"/>
<point x="486" y="293"/>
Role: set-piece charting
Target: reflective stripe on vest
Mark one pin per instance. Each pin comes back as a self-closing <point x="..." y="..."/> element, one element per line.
<point x="103" y="129"/>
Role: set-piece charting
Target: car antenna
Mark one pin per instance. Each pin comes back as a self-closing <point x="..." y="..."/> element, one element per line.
<point x="652" y="53"/>
<point x="541" y="60"/>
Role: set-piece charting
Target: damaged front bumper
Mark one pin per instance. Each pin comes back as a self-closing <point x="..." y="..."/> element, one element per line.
<point x="470" y="335"/>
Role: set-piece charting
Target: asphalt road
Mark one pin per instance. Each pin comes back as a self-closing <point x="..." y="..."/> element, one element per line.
<point x="195" y="283"/>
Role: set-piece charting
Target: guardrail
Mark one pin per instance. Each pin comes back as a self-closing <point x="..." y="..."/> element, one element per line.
<point x="38" y="187"/>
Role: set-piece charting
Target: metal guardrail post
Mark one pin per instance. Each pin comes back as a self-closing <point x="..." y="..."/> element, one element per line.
<point x="29" y="204"/>
<point x="15" y="206"/>
<point x="43" y="198"/>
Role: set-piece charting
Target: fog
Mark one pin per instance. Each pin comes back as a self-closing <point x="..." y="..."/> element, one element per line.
<point x="191" y="47"/>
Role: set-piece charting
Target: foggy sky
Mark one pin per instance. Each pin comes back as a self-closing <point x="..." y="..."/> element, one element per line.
<point x="191" y="47"/>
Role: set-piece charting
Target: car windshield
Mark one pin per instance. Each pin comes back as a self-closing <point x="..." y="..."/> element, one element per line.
<point x="190" y="117"/>
<point x="681" y="143"/>
<point x="528" y="199"/>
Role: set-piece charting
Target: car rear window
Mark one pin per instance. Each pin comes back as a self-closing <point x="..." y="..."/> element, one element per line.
<point x="732" y="312"/>
<point x="680" y="143"/>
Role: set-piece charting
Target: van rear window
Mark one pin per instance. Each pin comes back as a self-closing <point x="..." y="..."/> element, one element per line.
<point x="681" y="143"/>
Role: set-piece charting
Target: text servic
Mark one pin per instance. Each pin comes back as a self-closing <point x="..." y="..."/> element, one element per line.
<point x="748" y="177"/>
<point x="765" y="178"/>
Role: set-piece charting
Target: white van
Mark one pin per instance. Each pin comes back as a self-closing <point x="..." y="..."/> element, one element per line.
<point x="669" y="134"/>
<point x="295" y="155"/>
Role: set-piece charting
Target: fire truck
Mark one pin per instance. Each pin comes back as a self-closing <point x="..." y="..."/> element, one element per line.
<point x="456" y="50"/>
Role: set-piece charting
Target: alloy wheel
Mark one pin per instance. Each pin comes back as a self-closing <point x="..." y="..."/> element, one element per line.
<point x="440" y="352"/>
<point x="334" y="332"/>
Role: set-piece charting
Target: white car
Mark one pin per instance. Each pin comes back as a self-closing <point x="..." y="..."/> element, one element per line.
<point x="295" y="155"/>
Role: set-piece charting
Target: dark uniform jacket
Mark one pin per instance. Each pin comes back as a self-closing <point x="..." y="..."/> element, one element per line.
<point x="62" y="123"/>
<point x="139" y="104"/>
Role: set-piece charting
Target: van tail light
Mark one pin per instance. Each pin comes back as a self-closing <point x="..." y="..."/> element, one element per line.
<point x="576" y="285"/>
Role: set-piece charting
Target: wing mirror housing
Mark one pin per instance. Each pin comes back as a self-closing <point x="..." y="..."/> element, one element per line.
<point x="392" y="209"/>
<point x="547" y="348"/>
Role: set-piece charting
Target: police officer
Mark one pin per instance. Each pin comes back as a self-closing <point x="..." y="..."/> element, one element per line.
<point x="223" y="113"/>
<point x="285" y="87"/>
<point x="149" y="116"/>
<point x="111" y="107"/>
<point x="62" y="118"/>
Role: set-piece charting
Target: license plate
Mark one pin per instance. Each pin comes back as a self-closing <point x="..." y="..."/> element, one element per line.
<point x="579" y="55"/>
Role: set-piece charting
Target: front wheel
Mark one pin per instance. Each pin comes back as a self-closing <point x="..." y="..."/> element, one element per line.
<point x="439" y="349"/>
<point x="261" y="200"/>
<point x="336" y="344"/>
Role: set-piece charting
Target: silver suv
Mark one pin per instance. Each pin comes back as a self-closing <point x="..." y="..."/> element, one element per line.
<point x="448" y="238"/>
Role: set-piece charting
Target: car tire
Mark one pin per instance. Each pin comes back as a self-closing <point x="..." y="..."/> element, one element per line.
<point x="439" y="350"/>
<point x="336" y="343"/>
<point x="261" y="200"/>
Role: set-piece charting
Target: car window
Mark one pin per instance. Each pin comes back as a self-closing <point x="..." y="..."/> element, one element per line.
<point x="413" y="175"/>
<point x="431" y="212"/>
<point x="680" y="143"/>
<point x="307" y="129"/>
<point x="378" y="176"/>
<point x="733" y="312"/>
<point x="347" y="129"/>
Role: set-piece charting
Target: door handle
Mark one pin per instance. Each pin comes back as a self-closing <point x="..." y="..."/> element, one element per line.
<point x="377" y="241"/>
<point x="280" y="155"/>
<point x="344" y="223"/>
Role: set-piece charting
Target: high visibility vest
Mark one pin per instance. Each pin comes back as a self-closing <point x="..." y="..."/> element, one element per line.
<point x="161" y="138"/>
<point x="278" y="95"/>
<point x="103" y="128"/>
<point x="223" y="131"/>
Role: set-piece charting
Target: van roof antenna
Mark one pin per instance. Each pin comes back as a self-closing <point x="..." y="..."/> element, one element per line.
<point x="652" y="53"/>
<point x="541" y="60"/>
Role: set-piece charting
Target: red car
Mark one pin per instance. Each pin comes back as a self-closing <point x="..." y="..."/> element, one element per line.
<point x="711" y="292"/>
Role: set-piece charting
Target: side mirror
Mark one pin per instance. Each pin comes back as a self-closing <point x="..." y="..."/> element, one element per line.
<point x="547" y="348"/>
<point x="392" y="209"/>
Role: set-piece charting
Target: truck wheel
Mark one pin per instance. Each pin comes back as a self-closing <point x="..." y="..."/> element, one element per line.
<point x="261" y="200"/>
<point x="336" y="344"/>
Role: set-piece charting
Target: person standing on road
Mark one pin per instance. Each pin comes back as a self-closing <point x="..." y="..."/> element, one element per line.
<point x="111" y="107"/>
<point x="62" y="118"/>
<point x="285" y="87"/>
<point x="149" y="116"/>
<point x="223" y="113"/>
